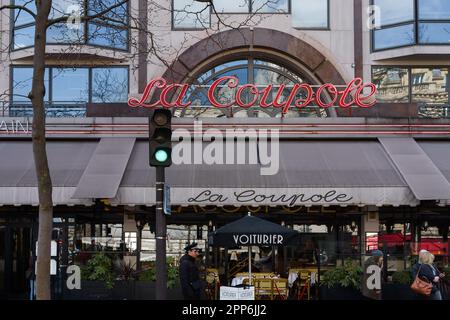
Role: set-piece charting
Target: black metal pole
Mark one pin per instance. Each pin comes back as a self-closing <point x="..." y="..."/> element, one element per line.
<point x="138" y="249"/>
<point x="161" y="231"/>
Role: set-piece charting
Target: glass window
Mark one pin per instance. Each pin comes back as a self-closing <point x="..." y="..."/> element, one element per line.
<point x="232" y="6"/>
<point x="23" y="37"/>
<point x="429" y="85"/>
<point x="110" y="31"/>
<point x="108" y="36"/>
<point x="70" y="85"/>
<point x="438" y="33"/>
<point x="434" y="9"/>
<point x="117" y="15"/>
<point x="394" y="37"/>
<point x="270" y="6"/>
<point x="309" y="14"/>
<point x="59" y="33"/>
<point x="392" y="84"/>
<point x="259" y="72"/>
<point x="22" y="17"/>
<point x="395" y="11"/>
<point x="21" y="84"/>
<point x="62" y="8"/>
<point x="109" y="85"/>
<point x="190" y="14"/>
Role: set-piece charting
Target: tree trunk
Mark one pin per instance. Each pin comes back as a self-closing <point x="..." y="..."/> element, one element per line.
<point x="40" y="153"/>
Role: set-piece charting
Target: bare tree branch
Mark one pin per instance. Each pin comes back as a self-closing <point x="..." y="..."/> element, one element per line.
<point x="13" y="7"/>
<point x="88" y="18"/>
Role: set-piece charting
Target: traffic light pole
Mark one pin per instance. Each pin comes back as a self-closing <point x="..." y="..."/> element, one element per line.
<point x="161" y="232"/>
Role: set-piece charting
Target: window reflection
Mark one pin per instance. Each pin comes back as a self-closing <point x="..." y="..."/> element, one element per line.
<point x="68" y="89"/>
<point x="434" y="9"/>
<point x="59" y="33"/>
<point x="402" y="20"/>
<point x="232" y="6"/>
<point x="21" y="84"/>
<point x="393" y="12"/>
<point x="70" y="85"/>
<point x="429" y="85"/>
<point x="109" y="85"/>
<point x="107" y="36"/>
<point x="310" y="14"/>
<point x="392" y="84"/>
<point x="190" y="14"/>
<point x="62" y="8"/>
<point x="22" y="17"/>
<point x="394" y="37"/>
<point x="23" y="37"/>
<point x="109" y="31"/>
<point x="438" y="33"/>
<point x="259" y="72"/>
<point x="270" y="6"/>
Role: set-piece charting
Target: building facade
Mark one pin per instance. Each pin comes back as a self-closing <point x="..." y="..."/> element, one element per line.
<point x="350" y="178"/>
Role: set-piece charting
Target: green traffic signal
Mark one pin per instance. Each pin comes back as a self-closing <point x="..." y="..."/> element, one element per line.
<point x="161" y="155"/>
<point x="160" y="138"/>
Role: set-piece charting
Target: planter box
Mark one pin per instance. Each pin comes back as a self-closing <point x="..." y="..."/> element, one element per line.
<point x="397" y="291"/>
<point x="340" y="293"/>
<point x="90" y="290"/>
<point x="122" y="290"/>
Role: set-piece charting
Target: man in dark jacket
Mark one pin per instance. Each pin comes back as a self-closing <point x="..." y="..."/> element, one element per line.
<point x="191" y="285"/>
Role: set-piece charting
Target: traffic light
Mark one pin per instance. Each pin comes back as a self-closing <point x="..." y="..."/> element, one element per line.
<point x="160" y="138"/>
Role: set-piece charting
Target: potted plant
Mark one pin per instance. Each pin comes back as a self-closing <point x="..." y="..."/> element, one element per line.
<point x="146" y="285"/>
<point x="126" y="276"/>
<point x="97" y="279"/>
<point x="342" y="283"/>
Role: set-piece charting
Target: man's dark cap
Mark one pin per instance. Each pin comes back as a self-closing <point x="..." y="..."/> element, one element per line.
<point x="191" y="246"/>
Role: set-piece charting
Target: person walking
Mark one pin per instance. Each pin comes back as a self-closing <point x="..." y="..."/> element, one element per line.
<point x="372" y="279"/>
<point x="427" y="270"/>
<point x="191" y="285"/>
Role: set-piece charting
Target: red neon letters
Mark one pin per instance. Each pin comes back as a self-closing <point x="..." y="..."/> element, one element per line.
<point x="173" y="95"/>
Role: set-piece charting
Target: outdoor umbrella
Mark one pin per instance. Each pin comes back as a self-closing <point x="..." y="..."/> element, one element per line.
<point x="252" y="231"/>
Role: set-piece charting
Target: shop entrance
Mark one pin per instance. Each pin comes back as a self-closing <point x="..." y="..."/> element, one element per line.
<point x="15" y="265"/>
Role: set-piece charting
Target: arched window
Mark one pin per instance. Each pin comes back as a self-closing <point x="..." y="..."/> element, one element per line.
<point x="259" y="72"/>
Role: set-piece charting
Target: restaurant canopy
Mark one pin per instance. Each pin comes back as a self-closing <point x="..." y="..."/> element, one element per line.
<point x="326" y="172"/>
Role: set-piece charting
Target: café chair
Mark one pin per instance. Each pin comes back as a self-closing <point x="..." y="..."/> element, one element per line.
<point x="280" y="288"/>
<point x="263" y="288"/>
<point x="304" y="284"/>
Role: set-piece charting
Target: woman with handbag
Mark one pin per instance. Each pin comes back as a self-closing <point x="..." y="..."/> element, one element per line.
<point x="426" y="270"/>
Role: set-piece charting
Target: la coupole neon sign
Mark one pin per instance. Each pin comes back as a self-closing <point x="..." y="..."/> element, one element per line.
<point x="173" y="95"/>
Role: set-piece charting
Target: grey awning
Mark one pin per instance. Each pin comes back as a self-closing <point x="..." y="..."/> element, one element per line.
<point x="421" y="173"/>
<point x="359" y="169"/>
<point x="312" y="172"/>
<point x="103" y="174"/>
<point x="67" y="161"/>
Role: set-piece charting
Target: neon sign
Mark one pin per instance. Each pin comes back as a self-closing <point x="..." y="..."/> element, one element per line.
<point x="352" y="95"/>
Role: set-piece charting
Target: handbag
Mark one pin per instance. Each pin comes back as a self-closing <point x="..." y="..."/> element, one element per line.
<point x="421" y="286"/>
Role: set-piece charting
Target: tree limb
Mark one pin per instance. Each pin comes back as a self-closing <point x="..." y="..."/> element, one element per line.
<point x="12" y="7"/>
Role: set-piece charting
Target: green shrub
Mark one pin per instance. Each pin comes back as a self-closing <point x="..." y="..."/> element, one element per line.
<point x="99" y="268"/>
<point x="402" y="277"/>
<point x="446" y="270"/>
<point x="347" y="276"/>
<point x="149" y="273"/>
